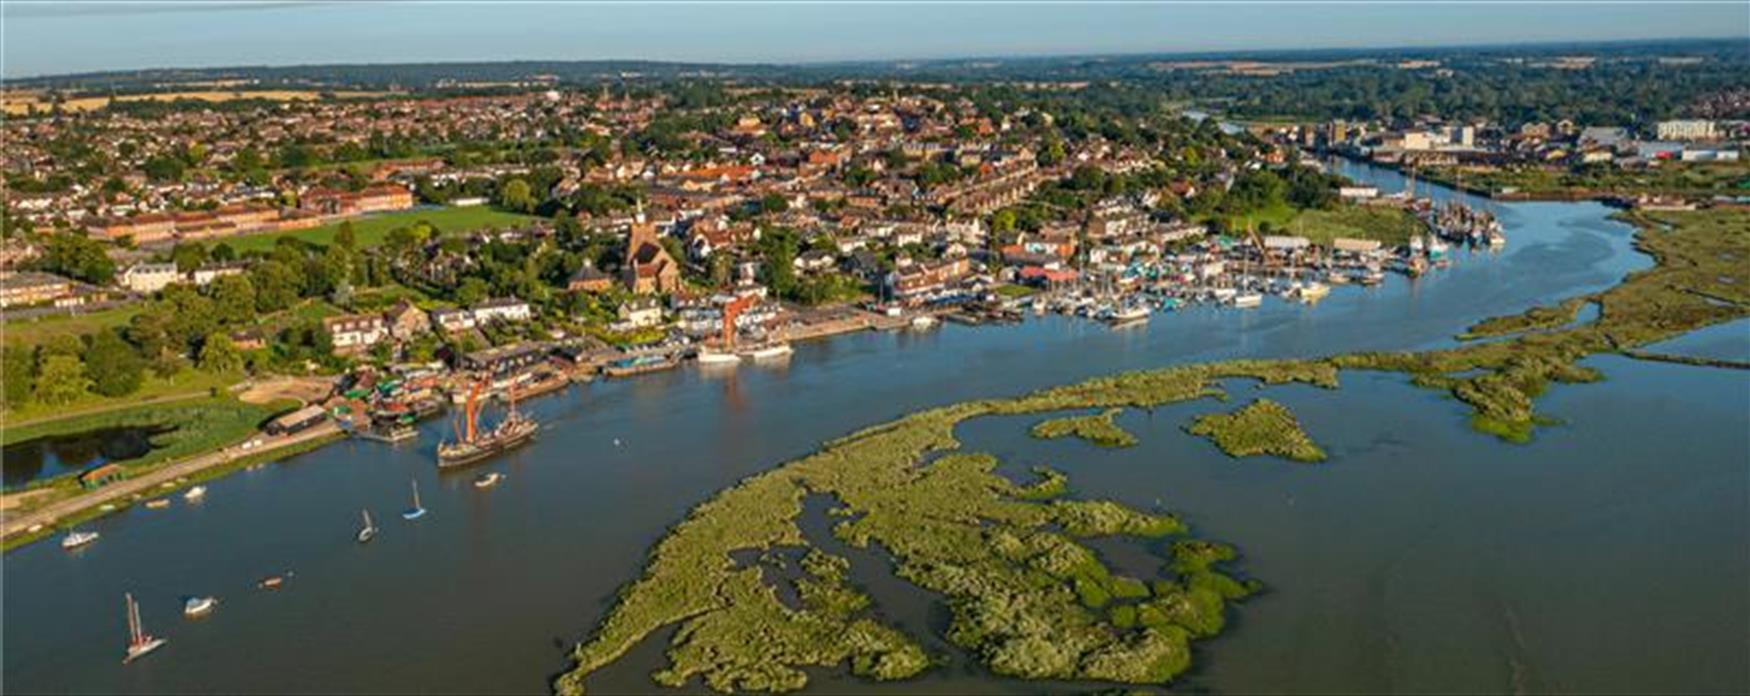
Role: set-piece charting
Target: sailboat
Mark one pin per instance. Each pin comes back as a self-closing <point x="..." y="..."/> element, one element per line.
<point x="369" y="531"/>
<point x="417" y="511"/>
<point x="139" y="642"/>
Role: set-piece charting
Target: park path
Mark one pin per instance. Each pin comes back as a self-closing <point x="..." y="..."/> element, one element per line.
<point x="149" y="482"/>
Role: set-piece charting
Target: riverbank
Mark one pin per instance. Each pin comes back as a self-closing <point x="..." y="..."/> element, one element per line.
<point x="61" y="515"/>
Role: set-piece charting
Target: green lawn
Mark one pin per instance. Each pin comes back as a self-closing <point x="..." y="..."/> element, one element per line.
<point x="32" y="332"/>
<point x="371" y="231"/>
<point x="1386" y="224"/>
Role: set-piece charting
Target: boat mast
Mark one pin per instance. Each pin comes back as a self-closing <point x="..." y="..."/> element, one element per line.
<point x="135" y="632"/>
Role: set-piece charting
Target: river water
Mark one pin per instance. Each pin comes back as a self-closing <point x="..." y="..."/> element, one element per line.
<point x="1608" y="555"/>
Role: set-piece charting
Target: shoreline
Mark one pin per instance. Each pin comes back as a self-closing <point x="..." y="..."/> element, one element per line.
<point x="65" y="514"/>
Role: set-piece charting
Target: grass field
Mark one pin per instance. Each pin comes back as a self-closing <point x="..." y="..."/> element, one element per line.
<point x="371" y="231"/>
<point x="1386" y="224"/>
<point x="31" y="332"/>
<point x="20" y="104"/>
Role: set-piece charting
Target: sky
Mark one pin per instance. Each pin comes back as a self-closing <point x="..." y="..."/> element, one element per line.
<point x="48" y="38"/>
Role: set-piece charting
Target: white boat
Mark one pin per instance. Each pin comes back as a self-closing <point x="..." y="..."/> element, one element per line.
<point x="139" y="641"/>
<point x="1129" y="315"/>
<point x="1223" y="294"/>
<point x="488" y="480"/>
<point x="195" y="493"/>
<point x="1248" y="300"/>
<point x="924" y="321"/>
<point x="771" y="351"/>
<point x="197" y="607"/>
<point x="711" y="357"/>
<point x="1313" y="291"/>
<point x="369" y="531"/>
<point x="417" y="511"/>
<point x="78" y="539"/>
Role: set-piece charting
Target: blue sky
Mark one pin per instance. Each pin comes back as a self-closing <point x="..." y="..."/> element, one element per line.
<point x="56" y="38"/>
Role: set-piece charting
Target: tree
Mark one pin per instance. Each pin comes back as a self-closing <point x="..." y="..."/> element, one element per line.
<point x="189" y="256"/>
<point x="114" y="366"/>
<point x="276" y="286"/>
<point x="19" y="375"/>
<point x="61" y="380"/>
<point x="516" y="195"/>
<point x="344" y="237"/>
<point x="471" y="291"/>
<point x="164" y="168"/>
<point x="234" y="299"/>
<point x="76" y="256"/>
<point x="219" y="355"/>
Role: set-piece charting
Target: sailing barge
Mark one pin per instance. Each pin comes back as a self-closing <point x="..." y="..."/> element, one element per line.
<point x="473" y="446"/>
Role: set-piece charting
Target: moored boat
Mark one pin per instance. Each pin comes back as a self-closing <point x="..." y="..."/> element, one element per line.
<point x="488" y="480"/>
<point x="77" y="539"/>
<point x="472" y="446"/>
<point x="139" y="641"/>
<point x="197" y="607"/>
<point x="1248" y="300"/>
<point x="418" y="510"/>
<point x="369" y="531"/>
<point x="195" y="494"/>
<point x="707" y="356"/>
<point x="770" y="351"/>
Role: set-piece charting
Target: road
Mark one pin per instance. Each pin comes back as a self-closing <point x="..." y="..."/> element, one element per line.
<point x="147" y="484"/>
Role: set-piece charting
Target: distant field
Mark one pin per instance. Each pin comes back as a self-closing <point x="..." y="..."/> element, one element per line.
<point x="21" y="104"/>
<point x="371" y="231"/>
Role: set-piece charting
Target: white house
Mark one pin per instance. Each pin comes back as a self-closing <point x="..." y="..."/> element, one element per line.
<point x="452" y="320"/>
<point x="149" y="277"/>
<point x="502" y="309"/>
<point x="356" y="331"/>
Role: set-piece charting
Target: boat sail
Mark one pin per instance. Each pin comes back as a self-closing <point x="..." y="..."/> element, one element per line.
<point x="417" y="511"/>
<point x="472" y="446"/>
<point x="139" y="641"/>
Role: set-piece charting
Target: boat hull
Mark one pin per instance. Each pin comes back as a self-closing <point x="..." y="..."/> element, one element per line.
<point x="481" y="452"/>
<point x="140" y="650"/>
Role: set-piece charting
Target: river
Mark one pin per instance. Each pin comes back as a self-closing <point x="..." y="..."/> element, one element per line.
<point x="1608" y="555"/>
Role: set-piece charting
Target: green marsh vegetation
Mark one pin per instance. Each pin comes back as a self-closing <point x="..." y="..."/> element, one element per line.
<point x="1098" y="429"/>
<point x="1261" y="427"/>
<point x="1027" y="597"/>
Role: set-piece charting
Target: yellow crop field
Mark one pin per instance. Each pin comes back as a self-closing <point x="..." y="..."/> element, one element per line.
<point x="19" y="104"/>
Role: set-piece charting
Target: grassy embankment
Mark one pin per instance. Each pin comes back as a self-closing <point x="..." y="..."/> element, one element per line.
<point x="1027" y="598"/>
<point x="1671" y="178"/>
<point x="371" y="231"/>
<point x="194" y="428"/>
<point x="1390" y="225"/>
<point x="1098" y="429"/>
<point x="1261" y="427"/>
<point x="74" y="520"/>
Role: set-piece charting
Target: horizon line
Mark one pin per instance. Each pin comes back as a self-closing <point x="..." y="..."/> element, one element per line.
<point x="4" y="79"/>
